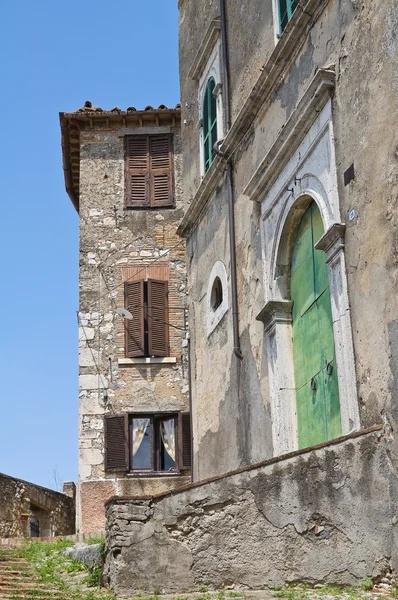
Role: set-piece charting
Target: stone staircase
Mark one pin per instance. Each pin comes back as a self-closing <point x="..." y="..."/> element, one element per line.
<point x="18" y="581"/>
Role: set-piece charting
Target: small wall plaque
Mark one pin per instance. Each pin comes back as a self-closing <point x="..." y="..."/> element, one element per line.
<point x="352" y="214"/>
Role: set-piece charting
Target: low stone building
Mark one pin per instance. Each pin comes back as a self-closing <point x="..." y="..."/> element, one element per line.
<point x="29" y="510"/>
<point x="123" y="174"/>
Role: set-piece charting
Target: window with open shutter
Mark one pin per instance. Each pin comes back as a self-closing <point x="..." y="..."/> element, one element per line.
<point x="116" y="443"/>
<point x="149" y="171"/>
<point x="209" y="117"/>
<point x="160" y="442"/>
<point x="185" y="440"/>
<point x="137" y="171"/>
<point x="286" y="9"/>
<point x="160" y="171"/>
<point x="158" y="329"/>
<point x="135" y="327"/>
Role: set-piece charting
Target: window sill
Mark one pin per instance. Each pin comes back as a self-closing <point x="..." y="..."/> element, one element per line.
<point x="147" y="474"/>
<point x="153" y="208"/>
<point x="166" y="360"/>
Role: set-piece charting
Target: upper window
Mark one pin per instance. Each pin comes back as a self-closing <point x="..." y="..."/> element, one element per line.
<point x="217" y="296"/>
<point x="285" y="11"/>
<point x="209" y="117"/>
<point x="147" y="333"/>
<point x="148" y="171"/>
<point x="148" y="443"/>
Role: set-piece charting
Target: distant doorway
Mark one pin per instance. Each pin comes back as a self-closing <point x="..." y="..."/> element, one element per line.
<point x="34" y="527"/>
<point x="315" y="370"/>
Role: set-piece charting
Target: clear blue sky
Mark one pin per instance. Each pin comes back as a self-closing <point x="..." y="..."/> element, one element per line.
<point x="55" y="54"/>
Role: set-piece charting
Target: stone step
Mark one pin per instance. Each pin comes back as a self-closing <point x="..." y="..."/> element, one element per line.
<point x="32" y="596"/>
<point x="26" y="574"/>
<point x="16" y="563"/>
<point x="12" y="559"/>
<point x="37" y="592"/>
<point x="22" y="584"/>
<point x="10" y="576"/>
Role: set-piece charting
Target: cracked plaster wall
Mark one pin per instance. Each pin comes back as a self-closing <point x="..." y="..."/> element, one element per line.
<point x="231" y="398"/>
<point x="325" y="516"/>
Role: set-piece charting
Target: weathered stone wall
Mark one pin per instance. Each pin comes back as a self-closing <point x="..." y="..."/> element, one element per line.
<point x="232" y="414"/>
<point x="116" y="245"/>
<point x="321" y="516"/>
<point x="21" y="500"/>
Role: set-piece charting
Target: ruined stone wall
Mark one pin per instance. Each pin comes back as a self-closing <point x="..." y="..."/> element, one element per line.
<point x="321" y="516"/>
<point x="20" y="501"/>
<point x="357" y="40"/>
<point x="118" y="245"/>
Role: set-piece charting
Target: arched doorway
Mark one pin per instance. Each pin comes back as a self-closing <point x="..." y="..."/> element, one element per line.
<point x="315" y="370"/>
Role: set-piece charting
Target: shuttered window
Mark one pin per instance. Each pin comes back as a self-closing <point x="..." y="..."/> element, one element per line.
<point x="135" y="327"/>
<point x="285" y="10"/>
<point x="185" y="440"/>
<point x="209" y="118"/>
<point x="148" y="443"/>
<point x="158" y="331"/>
<point x="149" y="171"/>
<point x="147" y="333"/>
<point x="116" y="443"/>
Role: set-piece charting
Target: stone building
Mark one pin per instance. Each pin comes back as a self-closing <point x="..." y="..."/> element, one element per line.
<point x="289" y="144"/>
<point x="30" y="510"/>
<point x="123" y="175"/>
<point x="304" y="128"/>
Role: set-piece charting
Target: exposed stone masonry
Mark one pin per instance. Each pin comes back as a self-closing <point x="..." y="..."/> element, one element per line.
<point x="119" y="245"/>
<point x="20" y="501"/>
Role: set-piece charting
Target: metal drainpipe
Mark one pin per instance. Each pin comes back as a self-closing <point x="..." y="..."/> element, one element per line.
<point x="230" y="192"/>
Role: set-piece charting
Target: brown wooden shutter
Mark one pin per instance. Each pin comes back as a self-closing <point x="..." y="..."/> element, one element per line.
<point x="134" y="328"/>
<point x="158" y="328"/>
<point x="137" y="171"/>
<point x="161" y="171"/>
<point x="185" y="440"/>
<point x="116" y="442"/>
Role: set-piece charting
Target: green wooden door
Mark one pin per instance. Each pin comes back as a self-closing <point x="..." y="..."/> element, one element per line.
<point x="315" y="371"/>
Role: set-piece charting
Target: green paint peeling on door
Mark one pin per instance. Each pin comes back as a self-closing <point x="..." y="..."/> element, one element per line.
<point x="315" y="371"/>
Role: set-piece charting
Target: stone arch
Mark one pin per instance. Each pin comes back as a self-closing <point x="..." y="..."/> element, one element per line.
<point x="293" y="209"/>
<point x="277" y="315"/>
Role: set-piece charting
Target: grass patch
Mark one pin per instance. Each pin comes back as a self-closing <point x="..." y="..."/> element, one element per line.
<point x="56" y="569"/>
<point x="290" y="593"/>
<point x="366" y="584"/>
<point x="94" y="578"/>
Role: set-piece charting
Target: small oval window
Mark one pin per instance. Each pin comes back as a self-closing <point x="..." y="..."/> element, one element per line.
<point x="216" y="294"/>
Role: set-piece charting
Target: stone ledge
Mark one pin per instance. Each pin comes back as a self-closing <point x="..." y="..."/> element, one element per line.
<point x="167" y="360"/>
<point x="205" y="49"/>
<point x="307" y="109"/>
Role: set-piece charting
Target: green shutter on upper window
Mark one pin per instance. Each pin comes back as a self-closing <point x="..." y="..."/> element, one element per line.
<point x="286" y="9"/>
<point x="209" y="124"/>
